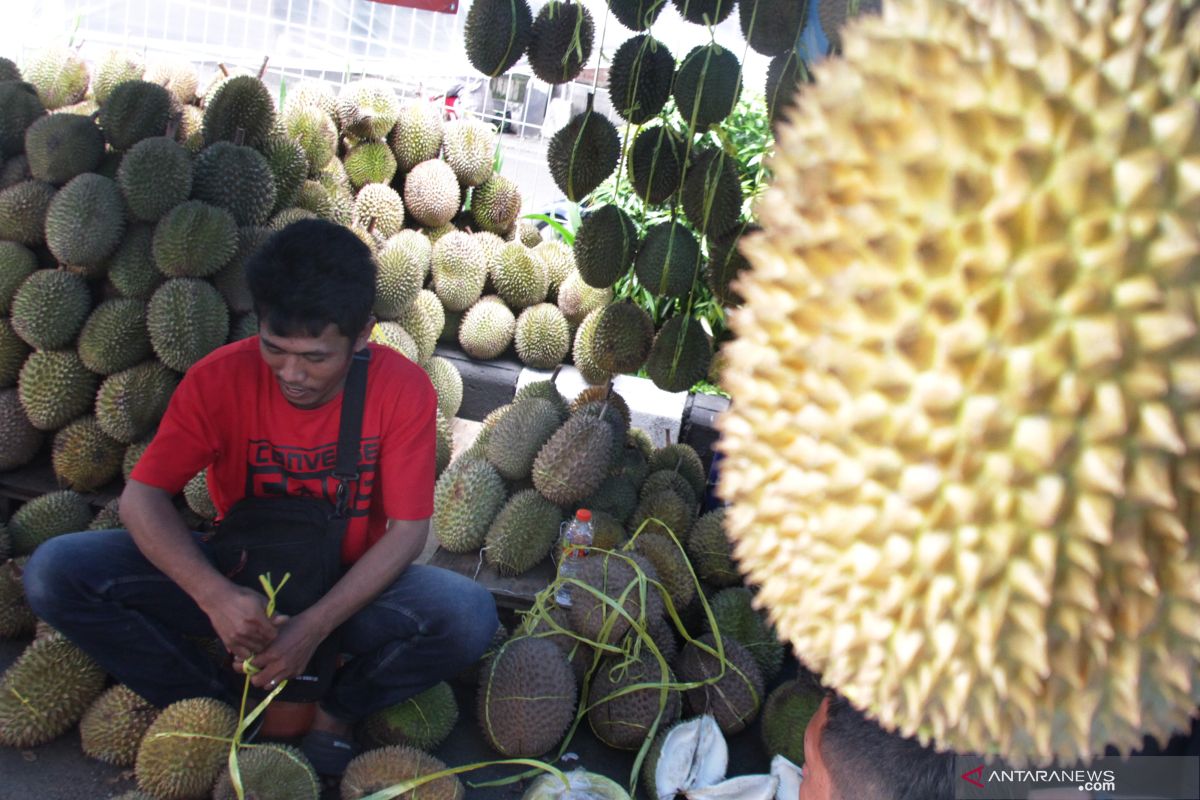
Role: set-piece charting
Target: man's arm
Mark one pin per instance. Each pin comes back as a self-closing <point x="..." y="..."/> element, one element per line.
<point x="238" y="615"/>
<point x="376" y="570"/>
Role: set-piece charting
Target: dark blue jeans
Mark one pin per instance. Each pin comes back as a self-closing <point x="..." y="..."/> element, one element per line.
<point x="98" y="589"/>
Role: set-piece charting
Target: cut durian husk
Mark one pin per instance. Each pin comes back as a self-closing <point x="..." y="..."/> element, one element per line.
<point x="963" y="451"/>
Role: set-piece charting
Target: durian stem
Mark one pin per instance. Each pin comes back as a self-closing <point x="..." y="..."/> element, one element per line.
<point x="263" y="69"/>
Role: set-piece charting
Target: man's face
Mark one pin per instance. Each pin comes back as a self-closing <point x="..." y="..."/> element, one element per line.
<point x="310" y="369"/>
<point x="817" y="785"/>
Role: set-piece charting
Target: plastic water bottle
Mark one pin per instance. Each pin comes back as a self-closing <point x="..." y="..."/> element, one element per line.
<point x="575" y="535"/>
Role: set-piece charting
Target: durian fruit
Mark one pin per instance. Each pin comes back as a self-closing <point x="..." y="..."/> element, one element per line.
<point x="496" y="34"/>
<point x="487" y="328"/>
<point x="60" y="146"/>
<point x="680" y="355"/>
<point x="45" y="692"/>
<point x="784" y="75"/>
<point x="496" y="203"/>
<point x="581" y="350"/>
<point x="241" y="110"/>
<point x="576" y="299"/>
<point x="581" y="785"/>
<point x="131" y="269"/>
<point x="176" y="76"/>
<point x="84" y="457"/>
<point x="55" y="388"/>
<point x="671" y="564"/>
<point x="708" y="84"/>
<point x="109" y="515"/>
<point x="9" y="71"/>
<point x="391" y="334"/>
<point x="135" y="110"/>
<point x="833" y="15"/>
<point x="419" y="130"/>
<point x="543" y="336"/>
<point x="639" y="78"/>
<point x="21" y="106"/>
<point x="731" y="691"/>
<point x="431" y="193"/>
<point x="669" y="260"/>
<point x="16" y="617"/>
<point x="522" y="533"/>
<point x="287" y="216"/>
<point x="187" y="320"/>
<point x="622" y="338"/>
<point x="379" y="206"/>
<point x="616" y="495"/>
<point x="526" y="698"/>
<point x="445" y="444"/>
<point x="50" y="307"/>
<point x="20" y="441"/>
<point x="173" y="765"/>
<point x="637" y="15"/>
<point x="385" y="767"/>
<point x="314" y="131"/>
<point x="546" y="390"/>
<point x="130" y="403"/>
<point x="574" y="461"/>
<point x="402" y="263"/>
<point x="231" y="279"/>
<point x="289" y="168"/>
<point x="367" y="109"/>
<point x="466" y="498"/>
<point x="46" y="516"/>
<point x="424" y="320"/>
<point x="133" y="453"/>
<point x="154" y="177"/>
<point x="558" y="259"/>
<point x="459" y="269"/>
<point x="772" y="27"/>
<point x="785" y="716"/>
<point x="733" y="611"/>
<point x="23" y="208"/>
<point x="583" y="154"/>
<point x="195" y="494"/>
<point x="528" y="233"/>
<point x="191" y="129"/>
<point x="712" y="193"/>
<point x="422" y="721"/>
<point x="725" y="263"/>
<point x="655" y="164"/>
<point x="447" y="382"/>
<point x="1064" y="515"/>
<point x="13" y="351"/>
<point x="271" y="772"/>
<point x="469" y="147"/>
<point x="683" y="459"/>
<point x="370" y="162"/>
<point x="85" y="220"/>
<point x="114" y="336"/>
<point x="17" y="263"/>
<point x="612" y="576"/>
<point x="112" y="728"/>
<point x="605" y="246"/>
<point x="235" y="178"/>
<point x="520" y="279"/>
<point x="313" y="197"/>
<point x="515" y="439"/>
<point x="704" y="12"/>
<point x="116" y="67"/>
<point x="622" y="719"/>
<point x="560" y="42"/>
<point x="60" y="75"/>
<point x="672" y="480"/>
<point x="310" y="92"/>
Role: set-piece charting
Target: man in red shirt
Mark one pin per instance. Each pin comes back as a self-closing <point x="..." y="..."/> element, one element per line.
<point x="262" y="417"/>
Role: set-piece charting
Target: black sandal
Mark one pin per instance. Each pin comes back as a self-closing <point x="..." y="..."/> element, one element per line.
<point x="328" y="753"/>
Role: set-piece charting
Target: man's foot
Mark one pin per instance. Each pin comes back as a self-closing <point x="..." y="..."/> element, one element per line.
<point x="328" y="753"/>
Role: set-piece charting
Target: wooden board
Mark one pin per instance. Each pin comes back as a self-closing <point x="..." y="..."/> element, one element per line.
<point x="34" y="480"/>
<point x="516" y="592"/>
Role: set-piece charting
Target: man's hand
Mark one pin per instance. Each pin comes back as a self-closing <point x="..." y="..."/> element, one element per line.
<point x="289" y="653"/>
<point x="239" y="617"/>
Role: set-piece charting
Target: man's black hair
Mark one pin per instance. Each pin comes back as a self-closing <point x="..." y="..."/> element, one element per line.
<point x="309" y="275"/>
<point x="865" y="762"/>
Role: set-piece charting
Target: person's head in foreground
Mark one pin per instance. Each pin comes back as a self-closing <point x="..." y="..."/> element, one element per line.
<point x="313" y="285"/>
<point x="849" y="757"/>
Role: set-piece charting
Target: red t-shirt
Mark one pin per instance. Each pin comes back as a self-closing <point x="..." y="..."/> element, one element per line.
<point x="230" y="416"/>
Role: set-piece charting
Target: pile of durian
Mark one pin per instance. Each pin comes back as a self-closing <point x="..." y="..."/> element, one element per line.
<point x="677" y="237"/>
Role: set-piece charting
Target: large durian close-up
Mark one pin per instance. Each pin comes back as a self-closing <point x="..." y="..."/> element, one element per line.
<point x="963" y="452"/>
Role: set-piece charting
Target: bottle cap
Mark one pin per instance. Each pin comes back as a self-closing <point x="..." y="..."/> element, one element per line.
<point x="583" y="515"/>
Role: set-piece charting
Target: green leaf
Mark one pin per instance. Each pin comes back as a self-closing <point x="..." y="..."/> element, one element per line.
<point x="553" y="222"/>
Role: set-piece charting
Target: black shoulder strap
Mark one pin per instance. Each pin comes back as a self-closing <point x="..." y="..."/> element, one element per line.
<point x="354" y="397"/>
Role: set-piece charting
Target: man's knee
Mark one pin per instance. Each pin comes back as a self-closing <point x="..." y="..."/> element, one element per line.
<point x="479" y="619"/>
<point x="47" y="576"/>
